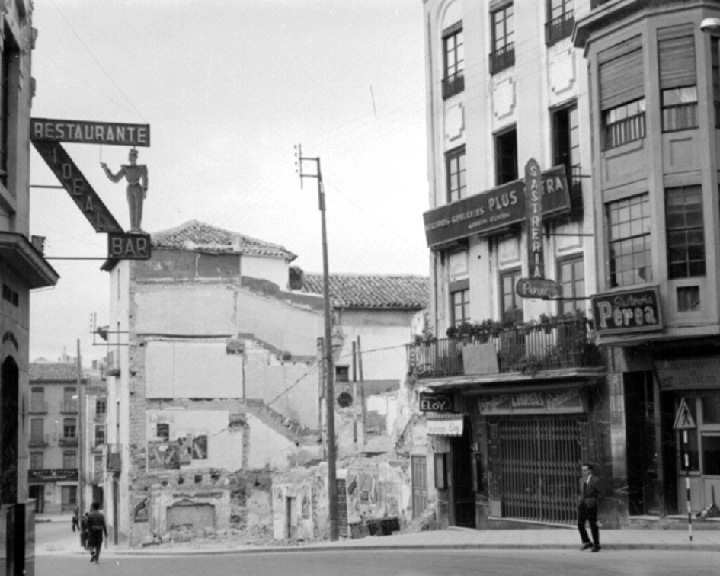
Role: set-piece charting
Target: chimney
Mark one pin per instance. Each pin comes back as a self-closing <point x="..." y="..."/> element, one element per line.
<point x="296" y="278"/>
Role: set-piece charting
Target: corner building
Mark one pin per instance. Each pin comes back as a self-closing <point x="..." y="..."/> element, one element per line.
<point x="520" y="381"/>
<point x="654" y="92"/>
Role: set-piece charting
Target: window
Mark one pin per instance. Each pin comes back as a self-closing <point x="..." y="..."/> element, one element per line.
<point x="622" y="93"/>
<point x="70" y="400"/>
<point x="9" y="65"/>
<point x="506" y="156"/>
<point x="512" y="310"/>
<point x="37" y="400"/>
<point x="453" y="80"/>
<point x="685" y="237"/>
<point x="561" y="20"/>
<point x="69" y="428"/>
<point x="69" y="498"/>
<point x="69" y="460"/>
<point x="677" y="81"/>
<point x="566" y="152"/>
<point x="688" y="298"/>
<point x="711" y="409"/>
<point x="711" y="454"/>
<point x="342" y="374"/>
<point x="628" y="225"/>
<point x="100" y="407"/>
<point x="571" y="278"/>
<point x="460" y="300"/>
<point x="36" y="430"/>
<point x="503" y="46"/>
<point x="36" y="460"/>
<point x="455" y="170"/>
<point x="99" y="435"/>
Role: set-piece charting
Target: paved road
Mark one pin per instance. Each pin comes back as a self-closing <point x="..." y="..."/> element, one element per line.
<point x="399" y="563"/>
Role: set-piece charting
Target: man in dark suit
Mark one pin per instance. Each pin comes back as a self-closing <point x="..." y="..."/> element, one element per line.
<point x="588" y="508"/>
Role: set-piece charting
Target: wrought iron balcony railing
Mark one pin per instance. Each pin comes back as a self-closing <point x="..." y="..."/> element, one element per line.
<point x="68" y="441"/>
<point x="38" y="407"/>
<point x="39" y="440"/>
<point x="523" y="349"/>
<point x="68" y="407"/>
<point x="502" y="58"/>
<point x="559" y="28"/>
<point x="453" y="84"/>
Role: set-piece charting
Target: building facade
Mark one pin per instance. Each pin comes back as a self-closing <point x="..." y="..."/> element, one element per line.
<point x="654" y="91"/>
<point x="599" y="365"/>
<point x="22" y="269"/>
<point x="54" y="436"/>
<point x="511" y="387"/>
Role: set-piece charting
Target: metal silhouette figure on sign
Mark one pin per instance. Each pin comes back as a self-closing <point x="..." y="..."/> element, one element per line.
<point x="137" y="186"/>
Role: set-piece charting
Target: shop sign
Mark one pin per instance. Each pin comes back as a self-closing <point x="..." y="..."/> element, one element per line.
<point x="53" y="475"/>
<point x="449" y="425"/>
<point x="533" y="218"/>
<point x="495" y="209"/>
<point x="123" y="246"/>
<point x="688" y="373"/>
<point x="431" y="402"/>
<point x="566" y="401"/>
<point x="77" y="186"/>
<point x="627" y="312"/>
<point x="89" y="132"/>
<point x="539" y="288"/>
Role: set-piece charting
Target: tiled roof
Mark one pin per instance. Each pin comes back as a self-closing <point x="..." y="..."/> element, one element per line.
<point x="53" y="372"/>
<point x="372" y="291"/>
<point x="199" y="236"/>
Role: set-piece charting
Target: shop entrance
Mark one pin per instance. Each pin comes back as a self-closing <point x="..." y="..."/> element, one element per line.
<point x="535" y="465"/>
<point x="37" y="492"/>
<point x="463" y="494"/>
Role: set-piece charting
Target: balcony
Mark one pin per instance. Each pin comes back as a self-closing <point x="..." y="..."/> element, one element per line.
<point x="502" y="58"/>
<point x="68" y="441"/>
<point x="624" y="131"/>
<point x="39" y="440"/>
<point x="68" y="407"/>
<point x="559" y="28"/>
<point x="555" y="345"/>
<point x="597" y="3"/>
<point x="38" y="407"/>
<point x="453" y="84"/>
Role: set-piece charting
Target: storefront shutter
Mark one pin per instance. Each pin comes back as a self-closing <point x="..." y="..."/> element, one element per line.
<point x="621" y="74"/>
<point x="677" y="61"/>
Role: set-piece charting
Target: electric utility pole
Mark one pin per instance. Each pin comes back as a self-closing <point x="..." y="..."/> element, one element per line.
<point x="329" y="368"/>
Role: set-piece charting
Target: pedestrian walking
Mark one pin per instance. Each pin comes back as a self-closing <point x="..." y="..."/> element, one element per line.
<point x="75" y="519"/>
<point x="588" y="508"/>
<point x="83" y="531"/>
<point x="96" y="530"/>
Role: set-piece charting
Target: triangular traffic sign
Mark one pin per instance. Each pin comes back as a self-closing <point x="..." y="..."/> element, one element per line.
<point x="684" y="419"/>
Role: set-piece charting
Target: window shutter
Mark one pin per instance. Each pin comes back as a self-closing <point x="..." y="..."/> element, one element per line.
<point x="677" y="62"/>
<point x="621" y="74"/>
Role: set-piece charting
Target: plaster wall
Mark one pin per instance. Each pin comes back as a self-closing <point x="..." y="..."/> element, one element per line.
<point x="268" y="448"/>
<point x="273" y="269"/>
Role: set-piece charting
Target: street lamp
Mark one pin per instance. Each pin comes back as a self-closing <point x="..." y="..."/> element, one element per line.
<point x="710" y="25"/>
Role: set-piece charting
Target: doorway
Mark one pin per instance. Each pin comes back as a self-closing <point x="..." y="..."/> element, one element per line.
<point x="37" y="492"/>
<point x="464" y="496"/>
<point x="418" y="468"/>
<point x="9" y="431"/>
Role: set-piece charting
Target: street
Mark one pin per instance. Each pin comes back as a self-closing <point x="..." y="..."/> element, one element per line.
<point x="400" y="563"/>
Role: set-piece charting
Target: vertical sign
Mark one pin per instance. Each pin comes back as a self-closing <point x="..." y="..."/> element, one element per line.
<point x="533" y="217"/>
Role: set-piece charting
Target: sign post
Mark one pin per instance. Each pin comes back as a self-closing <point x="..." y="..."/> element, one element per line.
<point x="684" y="421"/>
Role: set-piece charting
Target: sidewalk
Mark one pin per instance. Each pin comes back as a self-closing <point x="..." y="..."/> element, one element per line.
<point x="452" y="538"/>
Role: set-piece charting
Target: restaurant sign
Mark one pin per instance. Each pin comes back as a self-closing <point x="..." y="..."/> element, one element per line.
<point x="89" y="132"/>
<point x="495" y="209"/>
<point x="627" y="312"/>
<point x="53" y="475"/>
<point x="563" y="401"/>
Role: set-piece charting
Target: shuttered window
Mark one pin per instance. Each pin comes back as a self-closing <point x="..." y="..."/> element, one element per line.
<point x="621" y="74"/>
<point x="677" y="61"/>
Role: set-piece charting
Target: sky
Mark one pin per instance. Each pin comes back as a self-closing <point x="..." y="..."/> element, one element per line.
<point x="229" y="87"/>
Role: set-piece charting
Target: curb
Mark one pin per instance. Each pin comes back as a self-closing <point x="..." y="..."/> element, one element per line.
<point x="390" y="547"/>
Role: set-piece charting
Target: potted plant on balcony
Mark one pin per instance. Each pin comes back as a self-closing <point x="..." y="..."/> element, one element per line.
<point x="545" y="323"/>
<point x="452" y="332"/>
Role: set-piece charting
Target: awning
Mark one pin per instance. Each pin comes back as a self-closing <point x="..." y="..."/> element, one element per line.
<point x="448" y="426"/>
<point x="26" y="261"/>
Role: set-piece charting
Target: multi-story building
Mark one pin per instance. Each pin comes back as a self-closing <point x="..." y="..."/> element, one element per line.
<point x="622" y="94"/>
<point x="513" y="387"/>
<point x="654" y="116"/>
<point x="22" y="268"/>
<point x="54" y="411"/>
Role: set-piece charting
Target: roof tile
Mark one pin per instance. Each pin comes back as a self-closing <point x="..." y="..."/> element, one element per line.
<point x="199" y="236"/>
<point x="372" y="291"/>
<point x="53" y="372"/>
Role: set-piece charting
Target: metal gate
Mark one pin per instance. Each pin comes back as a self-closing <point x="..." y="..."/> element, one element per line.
<point x="536" y="466"/>
<point x="419" y="485"/>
